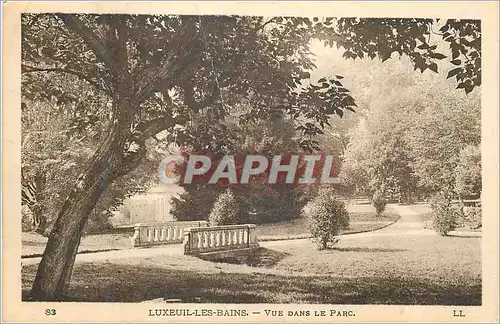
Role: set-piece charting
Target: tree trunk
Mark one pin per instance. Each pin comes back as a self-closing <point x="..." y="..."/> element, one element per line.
<point x="54" y="271"/>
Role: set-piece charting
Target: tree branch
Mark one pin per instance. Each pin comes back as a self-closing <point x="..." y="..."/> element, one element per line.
<point x="132" y="161"/>
<point x="175" y="63"/>
<point x="120" y="35"/>
<point x="96" y="44"/>
<point x="265" y="24"/>
<point x="198" y="105"/>
<point x="151" y="128"/>
<point x="29" y="69"/>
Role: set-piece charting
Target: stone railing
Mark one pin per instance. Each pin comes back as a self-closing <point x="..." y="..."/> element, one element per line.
<point x="219" y="238"/>
<point x="163" y="233"/>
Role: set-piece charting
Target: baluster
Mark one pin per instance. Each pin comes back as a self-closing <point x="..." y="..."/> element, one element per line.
<point x="217" y="239"/>
<point x="235" y="237"/>
<point x="223" y="241"/>
<point x="245" y="236"/>
<point x="199" y="235"/>
<point x="205" y="240"/>
<point x="181" y="232"/>
<point x="149" y="234"/>
<point x="193" y="243"/>
<point x="162" y="234"/>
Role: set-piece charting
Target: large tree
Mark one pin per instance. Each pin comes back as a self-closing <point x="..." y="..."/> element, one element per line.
<point x="412" y="140"/>
<point x="155" y="72"/>
<point x="58" y="138"/>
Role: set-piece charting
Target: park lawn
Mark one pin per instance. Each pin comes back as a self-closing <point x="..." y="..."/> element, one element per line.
<point x="34" y="244"/>
<point x="362" y="221"/>
<point x="390" y="270"/>
<point x="426" y="215"/>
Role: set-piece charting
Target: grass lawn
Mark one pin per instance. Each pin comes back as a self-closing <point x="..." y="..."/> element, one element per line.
<point x="34" y="244"/>
<point x="364" y="270"/>
<point x="360" y="269"/>
<point x="426" y="216"/>
<point x="362" y="219"/>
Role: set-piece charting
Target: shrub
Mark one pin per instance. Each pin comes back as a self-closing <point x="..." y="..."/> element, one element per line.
<point x="445" y="215"/>
<point x="328" y="217"/>
<point x="26" y="219"/>
<point x="473" y="217"/>
<point x="259" y="202"/>
<point x="379" y="202"/>
<point x="98" y="223"/>
<point x="266" y="204"/>
<point x="226" y="210"/>
<point x="195" y="203"/>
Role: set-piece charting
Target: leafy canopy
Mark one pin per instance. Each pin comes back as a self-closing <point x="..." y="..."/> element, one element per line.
<point x="171" y="68"/>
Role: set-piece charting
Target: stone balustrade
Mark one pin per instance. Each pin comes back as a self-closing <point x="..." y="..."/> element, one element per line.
<point x="199" y="240"/>
<point x="163" y="233"/>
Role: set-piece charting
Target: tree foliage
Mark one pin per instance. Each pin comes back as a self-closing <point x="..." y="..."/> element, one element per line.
<point x="57" y="141"/>
<point x="444" y="128"/>
<point x="412" y="138"/>
<point x="468" y="172"/>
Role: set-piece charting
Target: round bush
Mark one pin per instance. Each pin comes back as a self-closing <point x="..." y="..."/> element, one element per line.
<point x="445" y="214"/>
<point x="226" y="210"/>
<point x="328" y="216"/>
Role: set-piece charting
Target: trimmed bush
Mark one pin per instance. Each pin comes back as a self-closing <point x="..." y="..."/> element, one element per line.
<point x="328" y="216"/>
<point x="226" y="210"/>
<point x="445" y="214"/>
<point x="379" y="202"/>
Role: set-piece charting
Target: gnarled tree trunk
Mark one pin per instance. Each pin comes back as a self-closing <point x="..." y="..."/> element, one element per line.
<point x="54" y="271"/>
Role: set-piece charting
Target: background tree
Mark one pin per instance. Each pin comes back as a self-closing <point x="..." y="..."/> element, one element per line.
<point x="411" y="138"/>
<point x="447" y="124"/>
<point x="378" y="158"/>
<point x="156" y="72"/>
<point x="468" y="172"/>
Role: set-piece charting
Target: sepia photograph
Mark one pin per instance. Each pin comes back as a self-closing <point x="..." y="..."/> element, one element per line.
<point x="233" y="159"/>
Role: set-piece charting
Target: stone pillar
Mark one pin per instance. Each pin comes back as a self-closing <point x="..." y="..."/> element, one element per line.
<point x="136" y="239"/>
